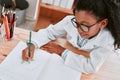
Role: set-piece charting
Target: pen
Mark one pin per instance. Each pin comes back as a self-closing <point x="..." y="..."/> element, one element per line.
<point x="29" y="43"/>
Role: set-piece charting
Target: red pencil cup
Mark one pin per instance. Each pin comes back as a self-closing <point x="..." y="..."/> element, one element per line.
<point x="9" y="22"/>
<point x="7" y="30"/>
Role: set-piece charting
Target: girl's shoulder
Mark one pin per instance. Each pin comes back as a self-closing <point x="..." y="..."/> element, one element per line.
<point x="106" y="35"/>
<point x="68" y="18"/>
<point x="106" y="32"/>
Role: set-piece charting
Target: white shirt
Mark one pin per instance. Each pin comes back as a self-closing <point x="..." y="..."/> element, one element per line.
<point x="99" y="47"/>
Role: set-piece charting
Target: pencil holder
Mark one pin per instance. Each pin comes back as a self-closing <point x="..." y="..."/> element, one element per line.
<point x="9" y="23"/>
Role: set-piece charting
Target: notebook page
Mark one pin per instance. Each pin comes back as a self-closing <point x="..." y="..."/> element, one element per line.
<point x="12" y="67"/>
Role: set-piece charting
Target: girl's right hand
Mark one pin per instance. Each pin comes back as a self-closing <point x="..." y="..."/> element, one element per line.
<point x="25" y="53"/>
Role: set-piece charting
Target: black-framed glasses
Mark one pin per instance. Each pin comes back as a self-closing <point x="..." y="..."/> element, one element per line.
<point x="81" y="26"/>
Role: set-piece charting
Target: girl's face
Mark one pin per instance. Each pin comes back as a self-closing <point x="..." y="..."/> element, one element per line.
<point x="87" y="24"/>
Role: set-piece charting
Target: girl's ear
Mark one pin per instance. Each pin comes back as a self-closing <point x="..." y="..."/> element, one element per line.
<point x="104" y="23"/>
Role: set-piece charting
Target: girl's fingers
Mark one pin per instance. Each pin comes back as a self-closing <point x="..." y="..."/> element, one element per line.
<point x="31" y="52"/>
<point x="24" y="55"/>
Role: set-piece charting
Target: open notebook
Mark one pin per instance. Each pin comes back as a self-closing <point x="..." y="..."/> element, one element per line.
<point x="45" y="66"/>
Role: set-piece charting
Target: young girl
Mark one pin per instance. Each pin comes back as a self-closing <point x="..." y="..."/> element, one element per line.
<point x="92" y="34"/>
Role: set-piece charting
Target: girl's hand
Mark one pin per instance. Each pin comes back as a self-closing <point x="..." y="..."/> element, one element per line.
<point x="53" y="47"/>
<point x="64" y="43"/>
<point x="25" y="53"/>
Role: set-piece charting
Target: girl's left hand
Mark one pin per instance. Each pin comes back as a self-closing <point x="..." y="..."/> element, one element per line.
<point x="53" y="47"/>
<point x="64" y="43"/>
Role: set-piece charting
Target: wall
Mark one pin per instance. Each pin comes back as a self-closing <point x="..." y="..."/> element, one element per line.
<point x="31" y="11"/>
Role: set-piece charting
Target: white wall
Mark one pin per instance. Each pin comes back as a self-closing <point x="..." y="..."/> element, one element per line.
<point x="31" y="11"/>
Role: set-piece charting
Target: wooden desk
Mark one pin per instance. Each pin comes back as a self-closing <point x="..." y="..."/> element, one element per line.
<point x="20" y="34"/>
<point x="110" y="70"/>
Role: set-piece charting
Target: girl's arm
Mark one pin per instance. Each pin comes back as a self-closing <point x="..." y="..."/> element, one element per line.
<point x="64" y="43"/>
<point x="77" y="51"/>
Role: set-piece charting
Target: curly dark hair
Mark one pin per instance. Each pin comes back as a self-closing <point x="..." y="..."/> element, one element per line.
<point x="104" y="9"/>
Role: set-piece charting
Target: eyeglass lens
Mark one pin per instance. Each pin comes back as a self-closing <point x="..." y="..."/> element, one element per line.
<point x="84" y="28"/>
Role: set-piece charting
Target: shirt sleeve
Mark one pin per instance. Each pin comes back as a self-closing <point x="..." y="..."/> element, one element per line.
<point x="52" y="32"/>
<point x="98" y="55"/>
<point x="86" y="65"/>
<point x="97" y="58"/>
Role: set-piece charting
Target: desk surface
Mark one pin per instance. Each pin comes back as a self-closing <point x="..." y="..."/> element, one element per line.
<point x="110" y="70"/>
<point x="20" y="34"/>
